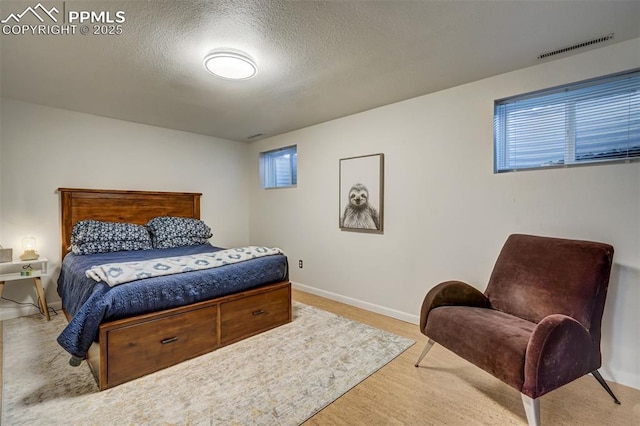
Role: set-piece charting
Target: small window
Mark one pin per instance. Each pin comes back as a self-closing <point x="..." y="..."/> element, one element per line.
<point x="580" y="123"/>
<point x="279" y="167"/>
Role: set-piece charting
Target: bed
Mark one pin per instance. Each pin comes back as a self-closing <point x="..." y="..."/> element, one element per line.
<point x="130" y="330"/>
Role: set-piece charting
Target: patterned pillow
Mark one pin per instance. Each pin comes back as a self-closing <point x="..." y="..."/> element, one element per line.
<point x="170" y="231"/>
<point x="94" y="236"/>
<point x="95" y="247"/>
<point x="179" y="242"/>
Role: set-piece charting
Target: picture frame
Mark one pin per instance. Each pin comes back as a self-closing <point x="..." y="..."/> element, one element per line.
<point x="361" y="195"/>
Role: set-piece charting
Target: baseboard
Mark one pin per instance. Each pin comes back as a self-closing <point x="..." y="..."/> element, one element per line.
<point x="620" y="377"/>
<point x="393" y="313"/>
<point x="10" y="312"/>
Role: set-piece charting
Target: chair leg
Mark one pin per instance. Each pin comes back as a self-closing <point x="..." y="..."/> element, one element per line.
<point x="426" y="349"/>
<point x="531" y="409"/>
<point x="604" y="384"/>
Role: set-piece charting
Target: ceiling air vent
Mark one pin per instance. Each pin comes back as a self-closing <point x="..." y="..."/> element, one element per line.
<point x="257" y="135"/>
<point x="577" y="46"/>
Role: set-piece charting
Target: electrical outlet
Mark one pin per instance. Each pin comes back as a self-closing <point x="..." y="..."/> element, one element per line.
<point x="300" y="264"/>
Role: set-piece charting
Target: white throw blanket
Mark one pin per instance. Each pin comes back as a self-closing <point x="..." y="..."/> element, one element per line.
<point x="119" y="273"/>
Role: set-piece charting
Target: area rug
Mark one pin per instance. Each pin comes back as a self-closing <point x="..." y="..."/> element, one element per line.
<point x="280" y="377"/>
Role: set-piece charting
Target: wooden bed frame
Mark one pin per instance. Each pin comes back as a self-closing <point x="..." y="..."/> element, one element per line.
<point x="133" y="347"/>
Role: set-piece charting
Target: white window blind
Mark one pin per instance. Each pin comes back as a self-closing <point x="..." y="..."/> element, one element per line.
<point x="592" y="121"/>
<point x="279" y="167"/>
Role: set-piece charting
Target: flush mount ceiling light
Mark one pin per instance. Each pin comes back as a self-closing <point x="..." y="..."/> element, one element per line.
<point x="232" y="65"/>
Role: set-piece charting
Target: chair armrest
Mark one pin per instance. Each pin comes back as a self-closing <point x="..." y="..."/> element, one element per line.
<point x="559" y="350"/>
<point x="451" y="293"/>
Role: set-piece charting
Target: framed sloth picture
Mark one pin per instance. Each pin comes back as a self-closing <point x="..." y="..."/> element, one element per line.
<point x="362" y="193"/>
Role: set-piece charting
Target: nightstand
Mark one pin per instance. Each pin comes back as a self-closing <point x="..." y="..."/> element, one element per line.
<point x="12" y="271"/>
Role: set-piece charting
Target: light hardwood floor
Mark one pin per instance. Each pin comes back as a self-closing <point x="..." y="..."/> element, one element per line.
<point x="446" y="390"/>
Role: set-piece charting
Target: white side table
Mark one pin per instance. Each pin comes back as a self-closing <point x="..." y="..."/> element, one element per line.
<point x="10" y="271"/>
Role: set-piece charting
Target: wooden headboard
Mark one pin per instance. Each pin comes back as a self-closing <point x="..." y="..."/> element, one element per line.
<point x="122" y="206"/>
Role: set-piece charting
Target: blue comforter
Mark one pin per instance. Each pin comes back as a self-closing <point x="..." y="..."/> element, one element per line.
<point x="91" y="303"/>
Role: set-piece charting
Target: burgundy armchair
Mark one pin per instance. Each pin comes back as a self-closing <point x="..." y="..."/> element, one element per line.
<point x="537" y="325"/>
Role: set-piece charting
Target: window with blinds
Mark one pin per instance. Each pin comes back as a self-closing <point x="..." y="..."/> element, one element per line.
<point x="586" y="122"/>
<point x="279" y="167"/>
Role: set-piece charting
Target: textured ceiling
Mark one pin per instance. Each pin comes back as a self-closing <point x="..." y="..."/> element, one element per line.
<point x="317" y="60"/>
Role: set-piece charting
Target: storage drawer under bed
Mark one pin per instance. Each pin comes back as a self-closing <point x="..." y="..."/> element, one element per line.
<point x="251" y="315"/>
<point x="137" y="350"/>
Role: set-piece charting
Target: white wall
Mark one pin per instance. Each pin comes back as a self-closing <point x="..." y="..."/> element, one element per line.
<point x="446" y="213"/>
<point x="1" y="176"/>
<point x="45" y="148"/>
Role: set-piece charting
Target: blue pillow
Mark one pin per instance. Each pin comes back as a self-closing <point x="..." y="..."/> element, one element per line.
<point x="95" y="247"/>
<point x="170" y="231"/>
<point x="94" y="236"/>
